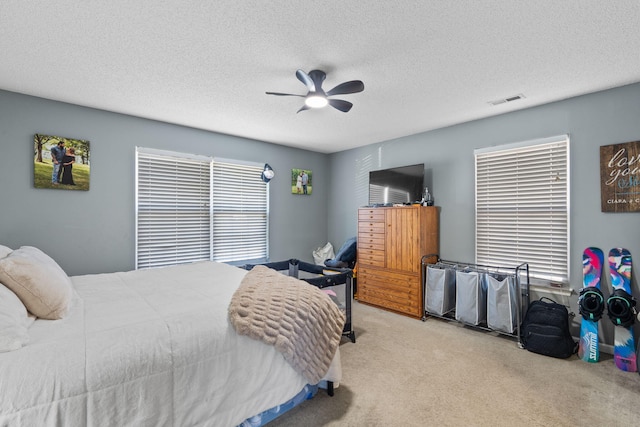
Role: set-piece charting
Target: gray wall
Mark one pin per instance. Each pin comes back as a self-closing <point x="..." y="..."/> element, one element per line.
<point x="89" y="232"/>
<point x="602" y="118"/>
<point x="93" y="231"/>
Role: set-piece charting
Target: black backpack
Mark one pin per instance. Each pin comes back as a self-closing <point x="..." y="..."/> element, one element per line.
<point x="545" y="329"/>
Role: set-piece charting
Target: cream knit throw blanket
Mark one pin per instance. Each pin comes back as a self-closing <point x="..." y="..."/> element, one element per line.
<point x="297" y="318"/>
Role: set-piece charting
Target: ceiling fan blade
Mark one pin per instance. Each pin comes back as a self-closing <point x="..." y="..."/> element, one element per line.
<point x="284" y="94"/>
<point x="318" y="77"/>
<point x="353" y="86"/>
<point x="341" y="105"/>
<point x="306" y="80"/>
<point x="304" y="107"/>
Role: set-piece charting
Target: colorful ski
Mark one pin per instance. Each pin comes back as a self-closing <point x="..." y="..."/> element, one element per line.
<point x="591" y="304"/>
<point x="621" y="311"/>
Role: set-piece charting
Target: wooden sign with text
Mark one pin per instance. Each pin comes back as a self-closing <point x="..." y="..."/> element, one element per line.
<point x="620" y="177"/>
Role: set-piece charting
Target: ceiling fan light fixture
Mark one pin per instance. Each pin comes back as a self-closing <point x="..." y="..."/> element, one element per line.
<point x="318" y="98"/>
<point x="316" y="101"/>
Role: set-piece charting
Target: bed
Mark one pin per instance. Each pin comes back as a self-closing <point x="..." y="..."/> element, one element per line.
<point x="145" y="348"/>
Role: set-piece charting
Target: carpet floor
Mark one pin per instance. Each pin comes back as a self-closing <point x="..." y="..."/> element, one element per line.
<point x="405" y="372"/>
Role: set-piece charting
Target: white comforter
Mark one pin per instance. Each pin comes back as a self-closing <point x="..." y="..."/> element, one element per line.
<point x="145" y="348"/>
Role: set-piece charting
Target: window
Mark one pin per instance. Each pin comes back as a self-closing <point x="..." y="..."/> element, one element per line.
<point x="240" y="206"/>
<point x="192" y="208"/>
<point x="522" y="207"/>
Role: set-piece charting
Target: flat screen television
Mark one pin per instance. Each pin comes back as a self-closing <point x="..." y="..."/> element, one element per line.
<point x="396" y="185"/>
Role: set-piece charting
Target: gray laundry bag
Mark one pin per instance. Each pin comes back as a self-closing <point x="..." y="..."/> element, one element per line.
<point x="440" y="292"/>
<point x="471" y="298"/>
<point x="502" y="300"/>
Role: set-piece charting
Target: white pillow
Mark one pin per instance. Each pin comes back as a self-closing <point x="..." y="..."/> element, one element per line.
<point x="4" y="251"/>
<point x="42" y="286"/>
<point x="14" y="321"/>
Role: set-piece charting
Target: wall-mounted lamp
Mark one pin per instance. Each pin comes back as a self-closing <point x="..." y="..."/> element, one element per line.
<point x="267" y="173"/>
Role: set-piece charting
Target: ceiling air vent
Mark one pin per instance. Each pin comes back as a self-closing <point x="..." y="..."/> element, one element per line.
<point x="509" y="99"/>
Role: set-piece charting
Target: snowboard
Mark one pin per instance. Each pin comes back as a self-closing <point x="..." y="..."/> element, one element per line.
<point x="624" y="351"/>
<point x="588" y="348"/>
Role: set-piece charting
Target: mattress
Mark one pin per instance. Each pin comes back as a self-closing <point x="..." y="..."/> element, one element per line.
<point x="146" y="348"/>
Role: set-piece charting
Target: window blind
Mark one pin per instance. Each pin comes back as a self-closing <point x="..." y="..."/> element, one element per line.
<point x="522" y="207"/>
<point x="192" y="208"/>
<point x="240" y="212"/>
<point x="173" y="209"/>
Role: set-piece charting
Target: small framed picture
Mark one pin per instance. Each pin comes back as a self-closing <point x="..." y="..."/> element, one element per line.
<point x="60" y="163"/>
<point x="301" y="181"/>
<point x="620" y="177"/>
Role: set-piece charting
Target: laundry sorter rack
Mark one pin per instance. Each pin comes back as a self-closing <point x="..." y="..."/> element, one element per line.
<point x="488" y="297"/>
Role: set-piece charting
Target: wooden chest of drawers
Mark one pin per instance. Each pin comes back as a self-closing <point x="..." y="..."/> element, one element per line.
<point x="391" y="243"/>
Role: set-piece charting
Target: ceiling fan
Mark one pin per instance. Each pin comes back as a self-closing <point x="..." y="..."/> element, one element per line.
<point x="317" y="98"/>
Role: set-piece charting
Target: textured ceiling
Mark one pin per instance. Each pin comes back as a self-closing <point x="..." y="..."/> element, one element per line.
<point x="207" y="64"/>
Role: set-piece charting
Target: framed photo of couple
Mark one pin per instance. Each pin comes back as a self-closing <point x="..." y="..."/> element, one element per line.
<point x="301" y="181"/>
<point x="60" y="163"/>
